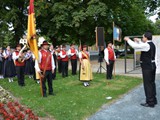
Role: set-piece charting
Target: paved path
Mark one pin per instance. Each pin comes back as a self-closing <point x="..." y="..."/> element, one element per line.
<point x="129" y="108"/>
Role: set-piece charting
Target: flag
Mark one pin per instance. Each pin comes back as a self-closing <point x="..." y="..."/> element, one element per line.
<point x="31" y="31"/>
<point x="117" y="32"/>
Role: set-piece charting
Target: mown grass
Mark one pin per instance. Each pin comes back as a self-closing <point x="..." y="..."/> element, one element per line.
<point x="129" y="56"/>
<point x="73" y="101"/>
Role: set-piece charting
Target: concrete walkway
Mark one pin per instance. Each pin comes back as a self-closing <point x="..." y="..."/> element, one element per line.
<point x="129" y="108"/>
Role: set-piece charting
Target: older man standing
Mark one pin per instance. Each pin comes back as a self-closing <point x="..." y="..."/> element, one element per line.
<point x="47" y="66"/>
<point x="148" y="66"/>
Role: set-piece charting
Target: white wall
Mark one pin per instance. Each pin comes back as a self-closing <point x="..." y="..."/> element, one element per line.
<point x="156" y="41"/>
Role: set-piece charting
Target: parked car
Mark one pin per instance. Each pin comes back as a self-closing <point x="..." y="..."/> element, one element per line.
<point x="121" y="52"/>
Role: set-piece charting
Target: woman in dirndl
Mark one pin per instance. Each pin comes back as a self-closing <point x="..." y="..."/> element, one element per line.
<point x="29" y="65"/>
<point x="1" y="63"/>
<point x="85" y="68"/>
<point x="9" y="67"/>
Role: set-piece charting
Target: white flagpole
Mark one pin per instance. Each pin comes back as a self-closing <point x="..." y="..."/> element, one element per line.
<point x="113" y="48"/>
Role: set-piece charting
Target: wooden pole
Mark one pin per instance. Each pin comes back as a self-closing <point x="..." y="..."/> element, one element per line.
<point x="38" y="76"/>
<point x="114" y="67"/>
<point x="96" y="39"/>
<point x="41" y="84"/>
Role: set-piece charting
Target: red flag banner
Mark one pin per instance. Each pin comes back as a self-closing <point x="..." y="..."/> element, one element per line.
<point x="31" y="31"/>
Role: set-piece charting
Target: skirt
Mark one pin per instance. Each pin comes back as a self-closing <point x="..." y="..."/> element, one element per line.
<point x="29" y="67"/>
<point x="9" y="69"/>
<point x="1" y="67"/>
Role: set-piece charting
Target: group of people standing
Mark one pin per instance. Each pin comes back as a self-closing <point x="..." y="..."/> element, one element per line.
<point x="47" y="62"/>
<point x="12" y="63"/>
<point x="20" y="63"/>
<point x="17" y="63"/>
<point x="84" y="58"/>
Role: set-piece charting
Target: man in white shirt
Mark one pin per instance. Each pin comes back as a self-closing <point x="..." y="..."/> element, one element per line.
<point x="53" y="52"/>
<point x="18" y="57"/>
<point x="64" y="57"/>
<point x="47" y="66"/>
<point x="148" y="66"/>
<point x="72" y="52"/>
<point x="109" y="57"/>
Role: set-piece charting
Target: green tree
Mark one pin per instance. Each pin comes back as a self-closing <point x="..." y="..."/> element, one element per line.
<point x="13" y="16"/>
<point x="157" y="27"/>
<point x="69" y="21"/>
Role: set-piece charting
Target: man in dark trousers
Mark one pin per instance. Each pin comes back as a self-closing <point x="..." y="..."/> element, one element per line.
<point x="109" y="57"/>
<point x="53" y="52"/>
<point x="59" y="60"/>
<point x="47" y="66"/>
<point x="148" y="49"/>
<point x="64" y="58"/>
<point x="19" y="60"/>
<point x="72" y="52"/>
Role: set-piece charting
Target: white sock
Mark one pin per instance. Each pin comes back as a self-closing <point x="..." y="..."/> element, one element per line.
<point x="9" y="79"/>
<point x="85" y="84"/>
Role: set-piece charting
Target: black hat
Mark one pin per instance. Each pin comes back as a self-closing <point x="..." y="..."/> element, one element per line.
<point x="45" y="43"/>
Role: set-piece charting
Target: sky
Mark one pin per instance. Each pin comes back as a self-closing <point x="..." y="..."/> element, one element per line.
<point x="153" y="18"/>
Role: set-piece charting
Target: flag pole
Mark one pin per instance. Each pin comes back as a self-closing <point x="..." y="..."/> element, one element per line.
<point x="31" y="35"/>
<point x="96" y="39"/>
<point x="114" y="66"/>
<point x="80" y="47"/>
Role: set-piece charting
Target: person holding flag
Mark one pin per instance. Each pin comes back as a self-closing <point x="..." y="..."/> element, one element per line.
<point x="32" y="38"/>
<point x="47" y="66"/>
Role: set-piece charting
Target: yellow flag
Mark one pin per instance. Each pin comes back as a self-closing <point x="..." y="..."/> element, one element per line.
<point x="31" y="31"/>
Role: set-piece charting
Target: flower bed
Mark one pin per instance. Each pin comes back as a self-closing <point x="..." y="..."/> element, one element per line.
<point x="12" y="110"/>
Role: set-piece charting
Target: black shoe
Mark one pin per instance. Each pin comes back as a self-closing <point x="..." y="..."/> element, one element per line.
<point x="22" y="85"/>
<point x="155" y="103"/>
<point x="44" y="95"/>
<point x="147" y="105"/>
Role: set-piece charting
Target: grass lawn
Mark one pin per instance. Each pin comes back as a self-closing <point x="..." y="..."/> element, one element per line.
<point x="129" y="56"/>
<point x="73" y="101"/>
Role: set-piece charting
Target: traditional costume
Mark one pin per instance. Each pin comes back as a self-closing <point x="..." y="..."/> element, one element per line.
<point x="85" y="69"/>
<point x="29" y="64"/>
<point x="59" y="59"/>
<point x="109" y="57"/>
<point x="9" y="67"/>
<point x="19" y="59"/>
<point x="72" y="52"/>
<point x="64" y="58"/>
<point x="1" y="63"/>
<point x="55" y="59"/>
<point x="47" y="66"/>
